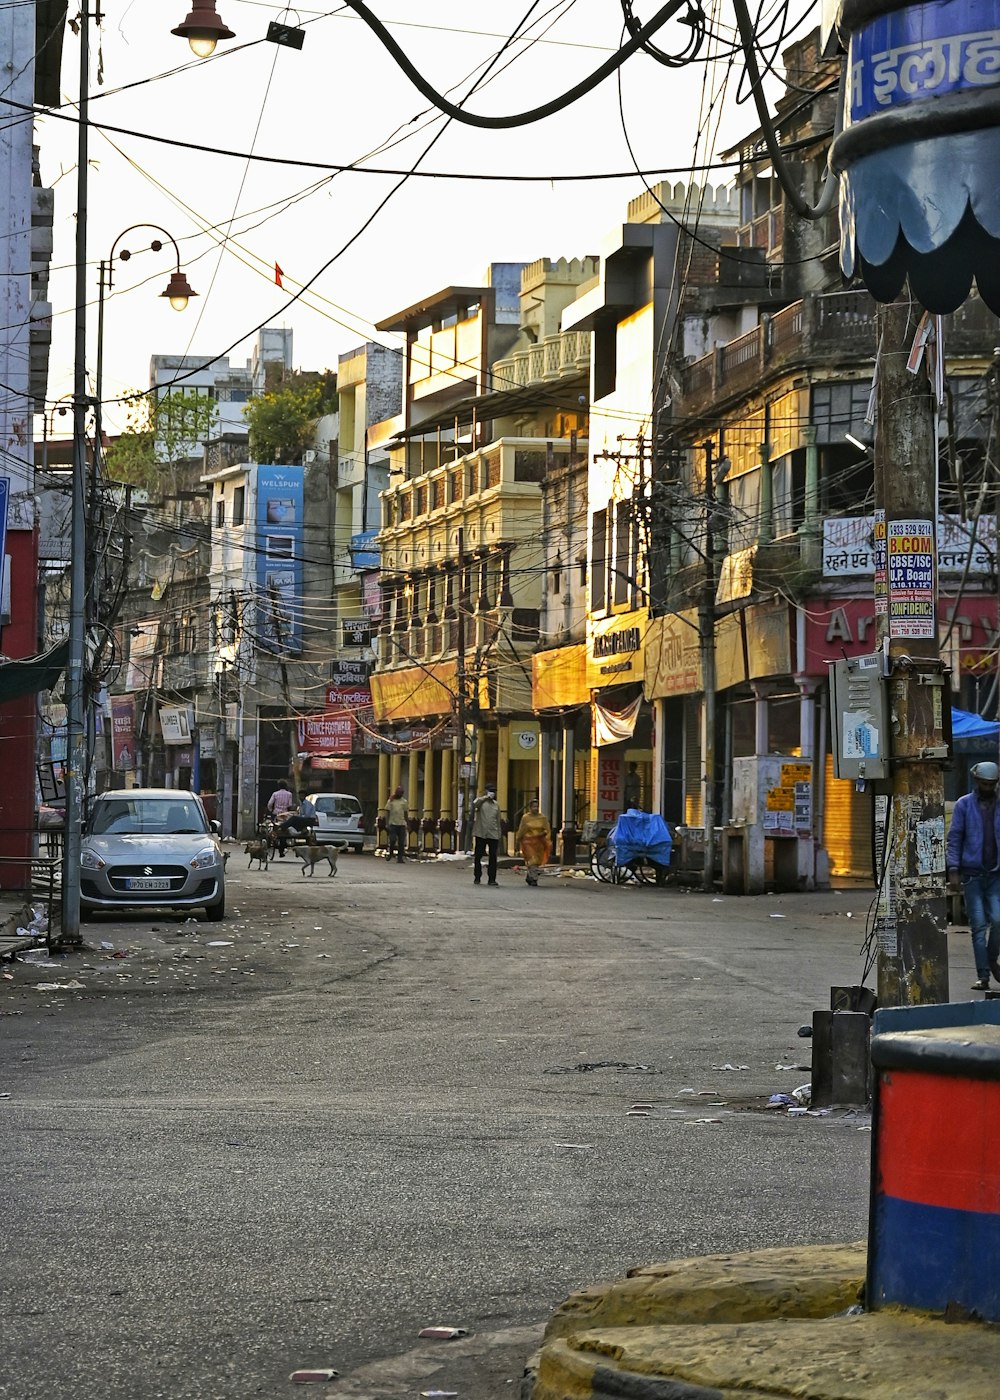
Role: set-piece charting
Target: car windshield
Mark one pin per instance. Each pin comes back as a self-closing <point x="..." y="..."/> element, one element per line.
<point x="334" y="805"/>
<point x="147" y="816"/>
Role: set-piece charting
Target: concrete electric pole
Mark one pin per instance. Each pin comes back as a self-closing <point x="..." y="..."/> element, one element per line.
<point x="912" y="920"/>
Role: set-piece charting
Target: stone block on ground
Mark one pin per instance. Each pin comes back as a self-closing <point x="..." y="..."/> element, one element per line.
<point x="813" y="1281"/>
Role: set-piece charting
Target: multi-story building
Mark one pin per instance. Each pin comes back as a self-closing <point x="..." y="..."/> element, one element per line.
<point x="271" y="584"/>
<point x="229" y="387"/>
<point x="30" y="55"/>
<point x="652" y="271"/>
<point x="494" y="401"/>
<point x="766" y="450"/>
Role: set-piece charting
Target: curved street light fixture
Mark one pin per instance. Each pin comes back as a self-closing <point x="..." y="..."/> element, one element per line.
<point x="203" y="28"/>
<point x="178" y="290"/>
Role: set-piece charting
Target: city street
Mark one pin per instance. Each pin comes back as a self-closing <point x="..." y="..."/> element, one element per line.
<point x="367" y="1105"/>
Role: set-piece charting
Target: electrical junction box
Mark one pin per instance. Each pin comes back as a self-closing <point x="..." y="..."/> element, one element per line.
<point x="859" y="717"/>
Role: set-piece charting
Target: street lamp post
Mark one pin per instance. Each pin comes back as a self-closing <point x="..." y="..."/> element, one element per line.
<point x="178" y="292"/>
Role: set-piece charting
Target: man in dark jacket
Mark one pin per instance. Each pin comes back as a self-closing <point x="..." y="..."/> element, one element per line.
<point x="974" y="867"/>
<point x="486" y="833"/>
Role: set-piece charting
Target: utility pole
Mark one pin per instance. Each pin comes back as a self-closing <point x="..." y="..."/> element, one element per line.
<point x="76" y="682"/>
<point x="706" y="643"/>
<point x="462" y="785"/>
<point x="913" y="952"/>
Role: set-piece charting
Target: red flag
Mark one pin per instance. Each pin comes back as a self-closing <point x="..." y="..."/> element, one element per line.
<point x="278" y="274"/>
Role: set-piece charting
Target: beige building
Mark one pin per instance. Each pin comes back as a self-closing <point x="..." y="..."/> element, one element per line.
<point x="495" y="400"/>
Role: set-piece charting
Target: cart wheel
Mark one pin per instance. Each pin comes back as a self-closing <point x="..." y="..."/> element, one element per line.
<point x="646" y="871"/>
<point x="602" y="865"/>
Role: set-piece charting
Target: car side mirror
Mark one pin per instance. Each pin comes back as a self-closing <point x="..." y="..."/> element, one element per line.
<point x="216" y="827"/>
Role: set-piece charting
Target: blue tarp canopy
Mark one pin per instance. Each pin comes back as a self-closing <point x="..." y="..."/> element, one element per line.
<point x="637" y="834"/>
<point x="968" y="726"/>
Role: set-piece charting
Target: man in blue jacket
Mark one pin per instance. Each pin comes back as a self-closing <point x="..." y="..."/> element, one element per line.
<point x="974" y="866"/>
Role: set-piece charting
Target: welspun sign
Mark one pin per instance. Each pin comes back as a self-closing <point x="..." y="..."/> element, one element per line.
<point x="280" y="503"/>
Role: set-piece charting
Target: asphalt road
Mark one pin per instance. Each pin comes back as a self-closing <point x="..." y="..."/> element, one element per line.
<point x="360" y="1106"/>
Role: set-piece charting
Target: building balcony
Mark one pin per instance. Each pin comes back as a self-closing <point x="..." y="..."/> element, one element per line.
<point x="422" y="643"/>
<point x="555" y="356"/>
<point x="494" y="494"/>
<point x="824" y="330"/>
<point x="191" y="670"/>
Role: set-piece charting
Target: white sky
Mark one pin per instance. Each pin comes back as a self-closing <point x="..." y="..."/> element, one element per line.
<point x="336" y="100"/>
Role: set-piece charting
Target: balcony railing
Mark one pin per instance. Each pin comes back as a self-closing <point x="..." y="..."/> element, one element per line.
<point x="818" y="329"/>
<point x="555" y="356"/>
<point x="509" y="464"/>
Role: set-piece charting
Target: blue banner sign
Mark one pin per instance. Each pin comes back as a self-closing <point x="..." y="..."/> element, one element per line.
<point x="365" y="554"/>
<point x="924" y="51"/>
<point x="280" y="504"/>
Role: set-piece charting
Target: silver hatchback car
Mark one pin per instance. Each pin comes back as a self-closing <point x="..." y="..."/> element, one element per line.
<point x="151" y="848"/>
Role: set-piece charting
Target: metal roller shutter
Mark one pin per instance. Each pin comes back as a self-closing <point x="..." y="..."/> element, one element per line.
<point x="847" y="826"/>
<point x="692" y="760"/>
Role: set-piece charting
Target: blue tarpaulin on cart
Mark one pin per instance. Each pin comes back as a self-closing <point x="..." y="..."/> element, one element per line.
<point x="968" y="726"/>
<point x="637" y="834"/>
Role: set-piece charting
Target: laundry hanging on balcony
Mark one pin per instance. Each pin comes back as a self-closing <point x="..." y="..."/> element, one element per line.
<point x="613" y="726"/>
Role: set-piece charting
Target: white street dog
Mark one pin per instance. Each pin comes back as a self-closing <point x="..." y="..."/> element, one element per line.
<point x="312" y="855"/>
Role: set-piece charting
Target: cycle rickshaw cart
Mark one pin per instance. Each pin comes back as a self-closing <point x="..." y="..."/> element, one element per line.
<point x="637" y="846"/>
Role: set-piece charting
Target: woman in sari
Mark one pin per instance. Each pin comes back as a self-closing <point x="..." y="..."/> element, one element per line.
<point x="534" y="840"/>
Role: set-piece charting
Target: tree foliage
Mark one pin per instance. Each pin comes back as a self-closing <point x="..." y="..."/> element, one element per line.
<point x="161" y="431"/>
<point x="282" y="421"/>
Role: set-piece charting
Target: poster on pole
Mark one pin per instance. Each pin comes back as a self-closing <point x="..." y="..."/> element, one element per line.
<point x="910" y="571"/>
<point x="879" y="556"/>
<point x="122" y="732"/>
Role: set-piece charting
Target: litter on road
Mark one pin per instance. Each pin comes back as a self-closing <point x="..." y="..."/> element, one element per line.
<point x="443" y="1334"/>
<point x="302" y="1377"/>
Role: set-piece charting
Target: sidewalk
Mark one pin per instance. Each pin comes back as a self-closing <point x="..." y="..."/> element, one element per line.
<point x="755" y="1326"/>
<point x="15" y="914"/>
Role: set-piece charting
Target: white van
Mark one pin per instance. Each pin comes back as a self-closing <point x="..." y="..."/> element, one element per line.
<point x="339" y="819"/>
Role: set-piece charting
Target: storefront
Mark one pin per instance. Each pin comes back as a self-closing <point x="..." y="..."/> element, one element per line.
<point x="414" y="709"/>
<point x="621" y="751"/>
<point x="672" y="684"/>
<point x="837" y="627"/>
<point x="561" y="701"/>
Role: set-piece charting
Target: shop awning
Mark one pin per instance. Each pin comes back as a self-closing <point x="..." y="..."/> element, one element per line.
<point x="969" y="726"/>
<point x="32" y="673"/>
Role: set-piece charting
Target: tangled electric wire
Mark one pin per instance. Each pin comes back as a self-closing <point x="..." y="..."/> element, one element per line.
<point x="695" y="18"/>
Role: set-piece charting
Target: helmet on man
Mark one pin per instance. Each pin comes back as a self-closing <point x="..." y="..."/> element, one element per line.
<point x="985" y="772"/>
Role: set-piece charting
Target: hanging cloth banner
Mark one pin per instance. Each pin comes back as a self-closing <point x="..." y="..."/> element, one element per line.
<point x="612" y="726"/>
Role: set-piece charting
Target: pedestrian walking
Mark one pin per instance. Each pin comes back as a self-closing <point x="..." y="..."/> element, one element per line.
<point x="486" y="833"/>
<point x="280" y="804"/>
<point x="395" y="814"/>
<point x="533" y="839"/>
<point x="974" y="868"/>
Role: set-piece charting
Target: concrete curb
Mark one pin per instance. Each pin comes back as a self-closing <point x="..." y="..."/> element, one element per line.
<point x="764" y="1284"/>
<point x="756" y="1326"/>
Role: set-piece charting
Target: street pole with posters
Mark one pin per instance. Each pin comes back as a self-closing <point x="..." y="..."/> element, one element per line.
<point x="912" y="922"/>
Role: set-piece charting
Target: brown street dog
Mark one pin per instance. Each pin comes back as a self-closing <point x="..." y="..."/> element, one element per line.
<point x="312" y="855"/>
<point x="257" y="851"/>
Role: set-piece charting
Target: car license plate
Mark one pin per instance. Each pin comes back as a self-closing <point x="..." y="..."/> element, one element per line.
<point x="143" y="884"/>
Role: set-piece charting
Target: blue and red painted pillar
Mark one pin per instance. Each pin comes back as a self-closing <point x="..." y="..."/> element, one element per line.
<point x="934" y="1232"/>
